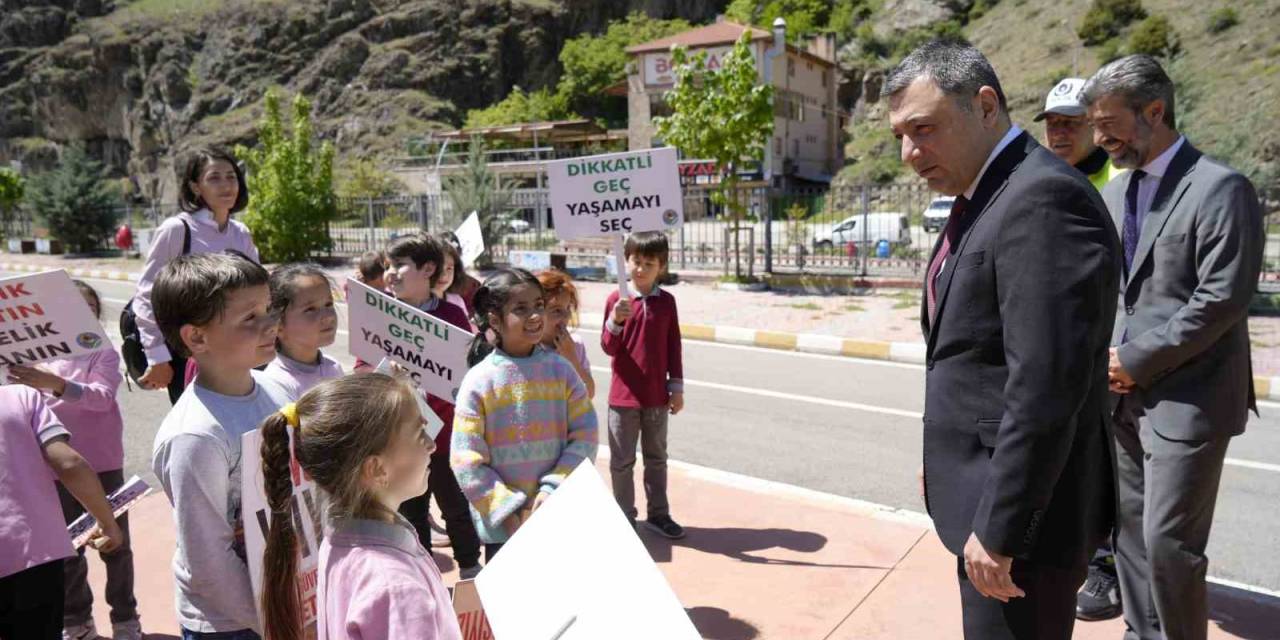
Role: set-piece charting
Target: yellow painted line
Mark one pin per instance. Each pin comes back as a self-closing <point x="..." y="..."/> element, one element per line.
<point x="698" y="332"/>
<point x="865" y="349"/>
<point x="776" y="340"/>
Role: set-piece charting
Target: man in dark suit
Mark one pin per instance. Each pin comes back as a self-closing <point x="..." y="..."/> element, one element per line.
<point x="1192" y="236"/>
<point x="1019" y="302"/>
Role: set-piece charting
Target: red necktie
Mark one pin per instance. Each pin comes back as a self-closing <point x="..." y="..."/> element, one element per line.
<point x="949" y="236"/>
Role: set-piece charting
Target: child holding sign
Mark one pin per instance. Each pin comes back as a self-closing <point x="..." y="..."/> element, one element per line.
<point x="523" y="421"/>
<point x="417" y="263"/>
<point x="215" y="307"/>
<point x="81" y="392"/>
<point x="302" y="296"/>
<point x="362" y="439"/>
<point x="643" y="337"/>
<point x="33" y="452"/>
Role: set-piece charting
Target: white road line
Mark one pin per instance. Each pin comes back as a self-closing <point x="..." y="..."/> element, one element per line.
<point x="1249" y="464"/>
<point x="856" y="406"/>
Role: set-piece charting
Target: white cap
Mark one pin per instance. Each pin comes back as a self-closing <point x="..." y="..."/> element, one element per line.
<point x="1064" y="99"/>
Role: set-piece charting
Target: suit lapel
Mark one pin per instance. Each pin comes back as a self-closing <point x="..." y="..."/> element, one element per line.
<point x="1172" y="187"/>
<point x="990" y="187"/>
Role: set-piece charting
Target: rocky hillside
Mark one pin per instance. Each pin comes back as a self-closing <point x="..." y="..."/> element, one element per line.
<point x="137" y="81"/>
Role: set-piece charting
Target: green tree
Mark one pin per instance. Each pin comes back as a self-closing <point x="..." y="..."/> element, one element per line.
<point x="478" y="189"/>
<point x="12" y="188"/>
<point x="724" y="115"/>
<point x="518" y="107"/>
<point x="804" y="17"/>
<point x="75" y="201"/>
<point x="364" y="178"/>
<point x="291" y="182"/>
<point x="593" y="63"/>
<point x="1223" y="19"/>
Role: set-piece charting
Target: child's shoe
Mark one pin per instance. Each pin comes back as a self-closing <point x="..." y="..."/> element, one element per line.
<point x="84" y="631"/>
<point x="666" y="526"/>
<point x="127" y="630"/>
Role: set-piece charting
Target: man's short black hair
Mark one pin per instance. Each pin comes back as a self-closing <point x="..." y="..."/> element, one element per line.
<point x="193" y="290"/>
<point x="650" y="244"/>
<point x="372" y="265"/>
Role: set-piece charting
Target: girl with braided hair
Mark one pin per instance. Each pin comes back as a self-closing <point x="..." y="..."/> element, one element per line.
<point x="362" y="440"/>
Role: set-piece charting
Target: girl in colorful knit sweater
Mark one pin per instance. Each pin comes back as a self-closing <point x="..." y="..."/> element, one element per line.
<point x="523" y="420"/>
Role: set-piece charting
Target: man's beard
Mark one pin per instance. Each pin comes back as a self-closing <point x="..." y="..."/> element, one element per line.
<point x="1131" y="156"/>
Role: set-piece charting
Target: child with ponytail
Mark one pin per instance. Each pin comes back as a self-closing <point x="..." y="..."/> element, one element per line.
<point x="362" y="440"/>
<point x="523" y="420"/>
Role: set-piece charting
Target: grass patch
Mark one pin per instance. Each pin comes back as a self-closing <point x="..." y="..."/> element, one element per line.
<point x="853" y="308"/>
<point x="808" y="306"/>
<point x="906" y="300"/>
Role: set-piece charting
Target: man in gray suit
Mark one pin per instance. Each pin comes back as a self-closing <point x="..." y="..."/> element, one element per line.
<point x="1191" y="229"/>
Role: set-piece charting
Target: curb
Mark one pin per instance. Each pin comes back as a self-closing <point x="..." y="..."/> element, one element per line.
<point x="1265" y="388"/>
<point x="100" y="274"/>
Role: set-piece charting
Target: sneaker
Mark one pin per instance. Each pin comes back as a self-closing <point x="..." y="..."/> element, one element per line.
<point x="84" y="631"/>
<point x="666" y="526"/>
<point x="1099" y="599"/>
<point x="469" y="573"/>
<point x="127" y="630"/>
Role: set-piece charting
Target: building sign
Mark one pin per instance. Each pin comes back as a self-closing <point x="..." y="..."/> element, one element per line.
<point x="658" y="70"/>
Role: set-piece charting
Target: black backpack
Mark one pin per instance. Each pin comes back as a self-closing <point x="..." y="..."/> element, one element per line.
<point x="131" y="350"/>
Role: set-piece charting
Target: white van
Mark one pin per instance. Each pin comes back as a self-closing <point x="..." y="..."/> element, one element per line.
<point x="879" y="226"/>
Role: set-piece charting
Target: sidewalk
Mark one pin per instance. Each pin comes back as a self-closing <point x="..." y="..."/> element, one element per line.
<point x="881" y="324"/>
<point x="761" y="561"/>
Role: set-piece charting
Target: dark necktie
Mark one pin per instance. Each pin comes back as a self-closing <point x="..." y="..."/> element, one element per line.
<point x="950" y="234"/>
<point x="1132" y="223"/>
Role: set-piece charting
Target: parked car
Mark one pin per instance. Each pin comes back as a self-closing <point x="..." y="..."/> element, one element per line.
<point x="890" y="226"/>
<point x="516" y="225"/>
<point x="935" y="215"/>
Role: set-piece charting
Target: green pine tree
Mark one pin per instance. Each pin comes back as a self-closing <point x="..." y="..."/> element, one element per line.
<point x="75" y="201"/>
<point x="291" y="185"/>
<point x="12" y="188"/>
<point x="478" y="189"/>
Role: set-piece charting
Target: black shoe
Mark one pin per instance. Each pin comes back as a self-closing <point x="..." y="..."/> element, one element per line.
<point x="666" y="526"/>
<point x="1099" y="599"/>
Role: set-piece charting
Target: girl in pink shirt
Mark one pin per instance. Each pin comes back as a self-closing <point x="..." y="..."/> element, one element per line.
<point x="302" y="295"/>
<point x="81" y="391"/>
<point x="363" y="441"/>
<point x="33" y="453"/>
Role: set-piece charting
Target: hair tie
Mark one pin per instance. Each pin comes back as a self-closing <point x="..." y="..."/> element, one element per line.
<point x="290" y="413"/>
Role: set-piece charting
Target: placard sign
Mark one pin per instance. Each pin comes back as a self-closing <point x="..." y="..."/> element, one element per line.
<point x="471" y="239"/>
<point x="120" y="500"/>
<point x="534" y="261"/>
<point x="616" y="193"/>
<point x="434" y="351"/>
<point x="308" y="519"/>
<point x="43" y="317"/>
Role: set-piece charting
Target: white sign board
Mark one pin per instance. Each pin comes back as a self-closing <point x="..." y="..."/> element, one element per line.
<point x="43" y="317"/>
<point x="434" y="424"/>
<point x="659" y="72"/>
<point x="471" y="239"/>
<point x="616" y="193"/>
<point x="619" y="594"/>
<point x="434" y="351"/>
<point x="308" y="519"/>
<point x="534" y="261"/>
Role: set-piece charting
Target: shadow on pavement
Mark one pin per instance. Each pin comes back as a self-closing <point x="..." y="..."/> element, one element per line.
<point x="745" y="545"/>
<point x="1244" y="614"/>
<point x="718" y="624"/>
<point x="158" y="636"/>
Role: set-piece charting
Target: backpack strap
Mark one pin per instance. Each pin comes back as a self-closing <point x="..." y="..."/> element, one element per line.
<point x="186" y="238"/>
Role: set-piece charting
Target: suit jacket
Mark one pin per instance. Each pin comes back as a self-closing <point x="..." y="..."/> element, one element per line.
<point x="1184" y="332"/>
<point x="1016" y="424"/>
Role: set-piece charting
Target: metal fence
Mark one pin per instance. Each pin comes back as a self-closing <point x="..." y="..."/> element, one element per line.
<point x="873" y="230"/>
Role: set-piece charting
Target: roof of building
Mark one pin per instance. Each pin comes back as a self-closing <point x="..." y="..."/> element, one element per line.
<point x="561" y="131"/>
<point x="719" y="33"/>
<point x="710" y="35"/>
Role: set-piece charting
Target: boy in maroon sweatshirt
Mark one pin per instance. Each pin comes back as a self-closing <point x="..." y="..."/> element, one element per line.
<point x="642" y="335"/>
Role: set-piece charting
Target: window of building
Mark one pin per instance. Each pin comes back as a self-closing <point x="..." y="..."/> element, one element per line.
<point x="658" y="106"/>
<point x="795" y="148"/>
<point x="824" y="79"/>
<point x="777" y="145"/>
<point x="791" y="67"/>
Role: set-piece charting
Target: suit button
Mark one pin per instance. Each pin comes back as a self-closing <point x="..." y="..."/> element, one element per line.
<point x="929" y="365"/>
<point x="1128" y="310"/>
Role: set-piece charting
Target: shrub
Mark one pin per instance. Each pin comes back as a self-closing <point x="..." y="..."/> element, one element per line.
<point x="1106" y="18"/>
<point x="1154" y="36"/>
<point x="75" y="201"/>
<point x="1223" y="19"/>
